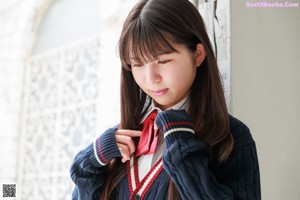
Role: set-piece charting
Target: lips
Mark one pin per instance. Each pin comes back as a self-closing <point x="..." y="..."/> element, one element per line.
<point x="159" y="92"/>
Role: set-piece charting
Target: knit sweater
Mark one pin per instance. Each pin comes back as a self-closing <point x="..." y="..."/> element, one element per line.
<point x="185" y="161"/>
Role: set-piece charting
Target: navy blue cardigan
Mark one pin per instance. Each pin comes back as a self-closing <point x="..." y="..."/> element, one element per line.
<point x="185" y="161"/>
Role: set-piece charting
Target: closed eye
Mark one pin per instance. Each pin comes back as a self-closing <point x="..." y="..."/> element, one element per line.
<point x="163" y="61"/>
<point x="137" y="65"/>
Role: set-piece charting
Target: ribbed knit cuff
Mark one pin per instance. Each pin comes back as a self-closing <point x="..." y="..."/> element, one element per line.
<point x="174" y="121"/>
<point x="105" y="148"/>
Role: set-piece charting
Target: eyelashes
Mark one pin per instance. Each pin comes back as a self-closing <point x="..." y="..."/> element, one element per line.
<point x="137" y="65"/>
<point x="164" y="61"/>
<point x="158" y="62"/>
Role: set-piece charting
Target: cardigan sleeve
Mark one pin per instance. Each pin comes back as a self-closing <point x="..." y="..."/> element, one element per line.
<point x="186" y="161"/>
<point x="88" y="170"/>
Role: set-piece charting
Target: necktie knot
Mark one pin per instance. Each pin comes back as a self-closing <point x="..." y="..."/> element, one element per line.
<point x="149" y="137"/>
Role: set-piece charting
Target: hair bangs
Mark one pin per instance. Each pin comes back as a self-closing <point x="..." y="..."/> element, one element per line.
<point x="144" y="43"/>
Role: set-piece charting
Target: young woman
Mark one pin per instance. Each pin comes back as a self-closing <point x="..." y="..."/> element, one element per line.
<point x="176" y="139"/>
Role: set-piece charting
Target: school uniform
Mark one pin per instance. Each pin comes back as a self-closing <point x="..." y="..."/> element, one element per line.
<point x="178" y="156"/>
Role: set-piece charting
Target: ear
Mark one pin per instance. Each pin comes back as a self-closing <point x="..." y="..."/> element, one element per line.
<point x="200" y="54"/>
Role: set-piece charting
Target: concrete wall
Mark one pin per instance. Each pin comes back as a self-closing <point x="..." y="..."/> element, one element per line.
<point x="266" y="91"/>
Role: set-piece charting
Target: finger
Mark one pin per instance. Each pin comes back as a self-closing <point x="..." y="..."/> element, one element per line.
<point x="123" y="160"/>
<point x="126" y="140"/>
<point x="124" y="152"/>
<point x="130" y="133"/>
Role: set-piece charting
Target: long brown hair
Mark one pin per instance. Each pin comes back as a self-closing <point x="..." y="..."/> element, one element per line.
<point x="148" y="31"/>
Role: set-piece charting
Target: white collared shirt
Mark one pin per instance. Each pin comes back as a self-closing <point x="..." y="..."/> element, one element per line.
<point x="145" y="162"/>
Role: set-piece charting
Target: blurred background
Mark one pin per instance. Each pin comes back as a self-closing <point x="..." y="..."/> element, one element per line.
<point x="59" y="85"/>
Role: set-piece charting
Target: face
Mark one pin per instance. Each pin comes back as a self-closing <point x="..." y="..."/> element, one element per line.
<point x="168" y="80"/>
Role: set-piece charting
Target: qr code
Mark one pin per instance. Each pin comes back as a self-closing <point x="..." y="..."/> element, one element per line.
<point x="9" y="190"/>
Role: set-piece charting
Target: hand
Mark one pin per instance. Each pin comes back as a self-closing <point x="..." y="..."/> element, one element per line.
<point x="125" y="143"/>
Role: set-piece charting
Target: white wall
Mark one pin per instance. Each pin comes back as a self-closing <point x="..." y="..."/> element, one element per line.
<point x="16" y="18"/>
<point x="67" y="21"/>
<point x="266" y="91"/>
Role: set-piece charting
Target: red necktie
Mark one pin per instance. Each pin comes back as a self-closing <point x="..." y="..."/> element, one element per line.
<point x="149" y="137"/>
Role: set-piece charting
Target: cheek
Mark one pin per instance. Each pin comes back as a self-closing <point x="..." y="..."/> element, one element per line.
<point x="137" y="77"/>
<point x="185" y="74"/>
<point x="185" y="78"/>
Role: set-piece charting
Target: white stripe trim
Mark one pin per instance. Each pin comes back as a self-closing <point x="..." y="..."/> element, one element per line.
<point x="178" y="129"/>
<point x="132" y="174"/>
<point x="149" y="178"/>
<point x="96" y="155"/>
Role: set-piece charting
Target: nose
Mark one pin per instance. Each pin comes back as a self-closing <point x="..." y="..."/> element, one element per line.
<point x="152" y="73"/>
